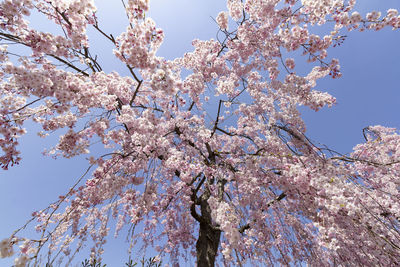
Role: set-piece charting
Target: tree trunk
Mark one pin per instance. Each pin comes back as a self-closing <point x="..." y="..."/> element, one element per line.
<point x="209" y="238"/>
<point x="207" y="245"/>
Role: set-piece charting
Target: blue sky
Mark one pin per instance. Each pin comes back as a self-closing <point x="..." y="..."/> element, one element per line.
<point x="367" y="94"/>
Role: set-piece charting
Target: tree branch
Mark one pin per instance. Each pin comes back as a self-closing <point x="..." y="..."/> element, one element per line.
<point x="247" y="226"/>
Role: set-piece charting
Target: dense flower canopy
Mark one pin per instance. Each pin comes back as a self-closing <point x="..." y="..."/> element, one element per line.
<point x="249" y="175"/>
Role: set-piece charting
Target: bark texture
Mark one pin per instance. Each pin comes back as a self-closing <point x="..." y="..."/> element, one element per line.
<point x="207" y="245"/>
<point x="209" y="236"/>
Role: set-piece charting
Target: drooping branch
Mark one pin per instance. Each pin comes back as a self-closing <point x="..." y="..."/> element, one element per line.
<point x="247" y="226"/>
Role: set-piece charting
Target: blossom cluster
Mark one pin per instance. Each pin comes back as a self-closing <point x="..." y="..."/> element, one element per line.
<point x="137" y="46"/>
<point x="136" y="9"/>
<point x="243" y="171"/>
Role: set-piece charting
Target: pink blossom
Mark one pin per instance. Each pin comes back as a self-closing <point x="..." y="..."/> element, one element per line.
<point x="222" y="152"/>
<point x="290" y="63"/>
<point x="222" y="20"/>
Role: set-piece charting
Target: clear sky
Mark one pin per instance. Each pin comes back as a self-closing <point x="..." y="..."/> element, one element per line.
<point x="367" y="94"/>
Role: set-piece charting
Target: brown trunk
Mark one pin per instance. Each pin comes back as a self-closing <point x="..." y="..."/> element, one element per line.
<point x="209" y="238"/>
<point x="207" y="245"/>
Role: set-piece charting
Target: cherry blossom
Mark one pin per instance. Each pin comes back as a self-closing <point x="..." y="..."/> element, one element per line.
<point x="222" y="20"/>
<point x="240" y="183"/>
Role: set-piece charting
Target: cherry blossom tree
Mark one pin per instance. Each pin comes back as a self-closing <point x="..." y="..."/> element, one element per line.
<point x="244" y="186"/>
